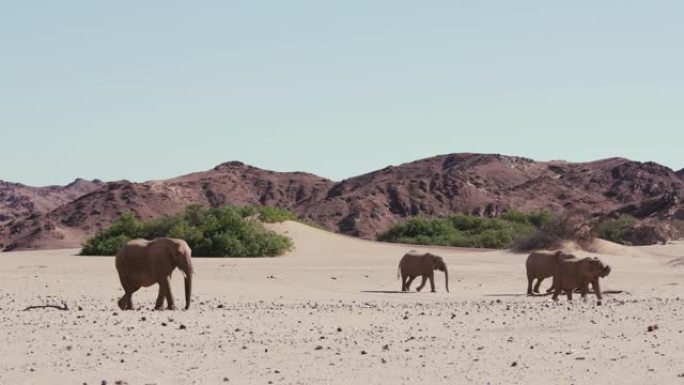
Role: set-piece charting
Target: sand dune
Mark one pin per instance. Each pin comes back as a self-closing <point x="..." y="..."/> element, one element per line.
<point x="329" y="312"/>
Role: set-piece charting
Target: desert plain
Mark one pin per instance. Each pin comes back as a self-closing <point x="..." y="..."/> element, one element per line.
<point x="331" y="312"/>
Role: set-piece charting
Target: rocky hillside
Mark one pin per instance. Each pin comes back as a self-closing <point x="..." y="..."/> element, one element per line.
<point x="366" y="205"/>
<point x="488" y="185"/>
<point x="19" y="202"/>
<point x="230" y="183"/>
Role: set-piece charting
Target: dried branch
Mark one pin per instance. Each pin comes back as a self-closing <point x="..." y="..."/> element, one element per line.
<point x="64" y="307"/>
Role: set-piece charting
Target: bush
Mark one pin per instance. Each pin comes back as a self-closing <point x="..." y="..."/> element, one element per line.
<point x="229" y="231"/>
<point x="107" y="242"/>
<point x="569" y="226"/>
<point x="615" y="230"/>
<point x="466" y="231"/>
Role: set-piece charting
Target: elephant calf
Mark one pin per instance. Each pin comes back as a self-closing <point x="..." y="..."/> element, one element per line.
<point x="142" y="263"/>
<point x="541" y="265"/>
<point x="574" y="274"/>
<point x="414" y="264"/>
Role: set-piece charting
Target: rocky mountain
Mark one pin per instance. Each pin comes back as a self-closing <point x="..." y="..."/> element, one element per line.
<point x="229" y="183"/>
<point x="681" y="173"/>
<point x="366" y="205"/>
<point x="19" y="202"/>
<point x="487" y="185"/>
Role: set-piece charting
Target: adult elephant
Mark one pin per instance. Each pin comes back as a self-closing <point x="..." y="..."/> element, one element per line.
<point x="142" y="263"/>
<point x="541" y="265"/>
<point x="413" y="264"/>
<point x="574" y="274"/>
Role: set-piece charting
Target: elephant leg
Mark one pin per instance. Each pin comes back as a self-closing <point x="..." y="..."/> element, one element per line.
<point x="536" y="287"/>
<point x="409" y="282"/>
<point x="160" y="299"/>
<point x="432" y="283"/>
<point x="126" y="301"/>
<point x="529" y="285"/>
<point x="422" y="283"/>
<point x="569" y="293"/>
<point x="165" y="286"/>
<point x="597" y="290"/>
<point x="584" y="287"/>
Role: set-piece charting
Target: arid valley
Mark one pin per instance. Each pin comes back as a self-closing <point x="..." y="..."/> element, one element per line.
<point x="341" y="193"/>
<point x="331" y="312"/>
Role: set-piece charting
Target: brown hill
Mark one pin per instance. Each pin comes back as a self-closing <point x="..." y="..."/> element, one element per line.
<point x="229" y="183"/>
<point x="681" y="173"/>
<point x="367" y="205"/>
<point x="488" y="185"/>
<point x="18" y="201"/>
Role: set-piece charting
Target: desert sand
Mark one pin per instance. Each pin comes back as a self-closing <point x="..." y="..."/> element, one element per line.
<point x="329" y="312"/>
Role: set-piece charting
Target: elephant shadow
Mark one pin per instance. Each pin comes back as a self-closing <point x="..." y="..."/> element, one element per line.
<point x="550" y="293"/>
<point x="386" y="292"/>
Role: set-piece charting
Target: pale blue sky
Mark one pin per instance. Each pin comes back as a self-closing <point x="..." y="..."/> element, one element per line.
<point x="154" y="89"/>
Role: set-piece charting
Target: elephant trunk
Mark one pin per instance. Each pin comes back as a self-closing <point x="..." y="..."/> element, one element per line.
<point x="446" y="278"/>
<point x="185" y="265"/>
<point x="188" y="289"/>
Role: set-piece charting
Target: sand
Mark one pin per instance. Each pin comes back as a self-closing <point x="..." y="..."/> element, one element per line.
<point x="330" y="312"/>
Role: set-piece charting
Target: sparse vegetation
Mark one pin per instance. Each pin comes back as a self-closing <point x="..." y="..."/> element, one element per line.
<point x="230" y="231"/>
<point x="467" y="231"/>
<point x="569" y="226"/>
<point x="615" y="230"/>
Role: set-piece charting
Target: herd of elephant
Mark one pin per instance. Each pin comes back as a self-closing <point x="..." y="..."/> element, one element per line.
<point x="143" y="263"/>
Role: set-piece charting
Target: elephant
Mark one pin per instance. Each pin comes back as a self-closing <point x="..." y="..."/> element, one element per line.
<point x="574" y="274"/>
<point x="541" y="265"/>
<point x="414" y="264"/>
<point x="142" y="263"/>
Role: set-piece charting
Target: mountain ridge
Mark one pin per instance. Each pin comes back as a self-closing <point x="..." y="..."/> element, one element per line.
<point x="365" y="205"/>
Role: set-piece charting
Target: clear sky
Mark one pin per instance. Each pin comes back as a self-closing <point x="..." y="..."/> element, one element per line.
<point x="153" y="89"/>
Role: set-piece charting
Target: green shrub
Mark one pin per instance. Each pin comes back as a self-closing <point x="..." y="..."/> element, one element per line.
<point x="268" y="214"/>
<point x="614" y="230"/>
<point x="461" y="230"/>
<point x="229" y="231"/>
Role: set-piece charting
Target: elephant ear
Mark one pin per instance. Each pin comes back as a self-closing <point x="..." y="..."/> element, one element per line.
<point x="605" y="270"/>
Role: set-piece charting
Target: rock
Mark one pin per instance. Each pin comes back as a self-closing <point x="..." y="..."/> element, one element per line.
<point x="514" y="364"/>
<point x="182" y="327"/>
<point x="652" y="328"/>
<point x="363" y="353"/>
<point x="319" y="347"/>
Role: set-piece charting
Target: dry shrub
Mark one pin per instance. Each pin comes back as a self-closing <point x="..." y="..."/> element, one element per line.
<point x="570" y="226"/>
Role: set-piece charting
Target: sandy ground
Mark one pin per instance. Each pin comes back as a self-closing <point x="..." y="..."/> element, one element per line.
<point x="330" y="313"/>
